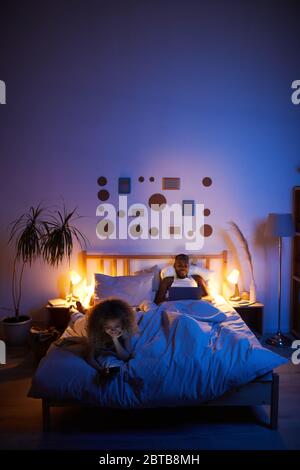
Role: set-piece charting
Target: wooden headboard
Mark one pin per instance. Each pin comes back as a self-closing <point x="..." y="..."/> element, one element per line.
<point x="121" y="264"/>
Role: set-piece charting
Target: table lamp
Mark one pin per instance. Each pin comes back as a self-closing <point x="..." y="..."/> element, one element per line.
<point x="75" y="278"/>
<point x="279" y="225"/>
<point x="233" y="279"/>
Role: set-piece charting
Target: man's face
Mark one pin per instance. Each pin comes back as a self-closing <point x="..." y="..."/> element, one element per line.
<point x="182" y="268"/>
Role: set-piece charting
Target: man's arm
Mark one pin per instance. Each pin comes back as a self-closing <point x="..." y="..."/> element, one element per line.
<point x="201" y="283"/>
<point x="164" y="285"/>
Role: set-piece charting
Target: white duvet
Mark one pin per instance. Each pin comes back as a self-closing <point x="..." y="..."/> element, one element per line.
<point x="186" y="352"/>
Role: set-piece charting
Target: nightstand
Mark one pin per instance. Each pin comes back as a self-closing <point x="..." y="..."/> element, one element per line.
<point x="59" y="317"/>
<point x="252" y="315"/>
<point x="41" y="339"/>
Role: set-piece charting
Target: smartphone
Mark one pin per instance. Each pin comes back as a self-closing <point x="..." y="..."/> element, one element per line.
<point x="111" y="370"/>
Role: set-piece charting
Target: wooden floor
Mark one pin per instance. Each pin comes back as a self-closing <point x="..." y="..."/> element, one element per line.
<point x="177" y="429"/>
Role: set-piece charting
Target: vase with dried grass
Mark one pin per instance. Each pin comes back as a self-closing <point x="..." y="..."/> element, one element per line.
<point x="245" y="246"/>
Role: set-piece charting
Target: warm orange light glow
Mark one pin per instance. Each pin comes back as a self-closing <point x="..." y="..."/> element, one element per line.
<point x="75" y="278"/>
<point x="84" y="292"/>
<point x="79" y="290"/>
<point x="233" y="276"/>
<point x="213" y="288"/>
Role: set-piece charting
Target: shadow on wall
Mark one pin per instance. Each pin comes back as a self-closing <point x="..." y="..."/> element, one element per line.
<point x="235" y="261"/>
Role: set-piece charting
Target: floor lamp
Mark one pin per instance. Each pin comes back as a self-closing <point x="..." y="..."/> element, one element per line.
<point x="279" y="225"/>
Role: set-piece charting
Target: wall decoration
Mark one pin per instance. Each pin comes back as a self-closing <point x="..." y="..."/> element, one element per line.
<point x="157" y="202"/>
<point x="207" y="181"/>
<point x="206" y="230"/>
<point x="124" y="185"/>
<point x="103" y="195"/>
<point x="188" y="207"/>
<point x="170" y="183"/>
<point x="157" y="199"/>
<point x="102" y="181"/>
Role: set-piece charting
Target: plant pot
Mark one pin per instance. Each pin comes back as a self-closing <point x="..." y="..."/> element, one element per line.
<point x="16" y="330"/>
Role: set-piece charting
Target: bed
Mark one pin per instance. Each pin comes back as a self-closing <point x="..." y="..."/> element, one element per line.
<point x="187" y="353"/>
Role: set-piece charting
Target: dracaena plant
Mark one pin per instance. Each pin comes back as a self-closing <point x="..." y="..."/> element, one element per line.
<point x="60" y="234"/>
<point x="41" y="234"/>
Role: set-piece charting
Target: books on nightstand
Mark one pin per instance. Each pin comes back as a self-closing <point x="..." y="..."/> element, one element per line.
<point x="241" y="303"/>
<point x="58" y="303"/>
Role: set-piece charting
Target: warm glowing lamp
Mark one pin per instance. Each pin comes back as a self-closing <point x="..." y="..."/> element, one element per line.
<point x="75" y="278"/>
<point x="233" y="279"/>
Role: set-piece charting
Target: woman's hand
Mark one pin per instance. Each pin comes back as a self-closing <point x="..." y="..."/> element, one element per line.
<point x="116" y="335"/>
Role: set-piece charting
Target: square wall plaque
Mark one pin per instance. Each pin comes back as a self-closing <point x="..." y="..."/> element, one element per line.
<point x="171" y="183"/>
<point x="124" y="185"/>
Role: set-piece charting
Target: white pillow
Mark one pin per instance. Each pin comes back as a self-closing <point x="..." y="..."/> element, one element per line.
<point x="156" y="273"/>
<point x="206" y="274"/>
<point x="131" y="289"/>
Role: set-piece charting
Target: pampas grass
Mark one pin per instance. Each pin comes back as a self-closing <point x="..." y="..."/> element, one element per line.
<point x="244" y="244"/>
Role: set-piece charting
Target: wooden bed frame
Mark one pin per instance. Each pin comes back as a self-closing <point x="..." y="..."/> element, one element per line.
<point x="102" y="259"/>
<point x="257" y="393"/>
<point x="262" y="391"/>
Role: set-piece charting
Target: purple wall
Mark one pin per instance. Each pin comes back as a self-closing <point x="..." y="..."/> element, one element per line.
<point x="153" y="88"/>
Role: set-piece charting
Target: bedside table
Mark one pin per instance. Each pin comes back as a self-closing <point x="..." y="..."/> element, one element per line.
<point x="41" y="339"/>
<point x="59" y="317"/>
<point x="252" y="315"/>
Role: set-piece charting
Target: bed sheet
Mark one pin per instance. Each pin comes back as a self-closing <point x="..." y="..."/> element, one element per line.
<point x="186" y="352"/>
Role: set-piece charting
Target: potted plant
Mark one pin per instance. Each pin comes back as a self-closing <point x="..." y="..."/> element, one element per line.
<point x="37" y="234"/>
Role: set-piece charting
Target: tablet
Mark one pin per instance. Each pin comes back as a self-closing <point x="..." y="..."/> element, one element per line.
<point x="185" y="293"/>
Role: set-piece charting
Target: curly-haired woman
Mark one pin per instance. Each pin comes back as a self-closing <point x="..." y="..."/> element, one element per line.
<point x="110" y="325"/>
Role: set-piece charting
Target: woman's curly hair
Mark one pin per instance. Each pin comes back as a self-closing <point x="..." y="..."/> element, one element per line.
<point x="109" y="309"/>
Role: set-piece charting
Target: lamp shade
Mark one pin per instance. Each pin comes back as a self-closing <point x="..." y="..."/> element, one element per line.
<point x="279" y="225"/>
<point x="233" y="276"/>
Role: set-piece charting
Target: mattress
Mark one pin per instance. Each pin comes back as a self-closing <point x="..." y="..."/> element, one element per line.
<point x="185" y="353"/>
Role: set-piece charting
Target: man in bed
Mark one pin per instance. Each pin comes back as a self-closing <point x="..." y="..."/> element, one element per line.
<point x="181" y="279"/>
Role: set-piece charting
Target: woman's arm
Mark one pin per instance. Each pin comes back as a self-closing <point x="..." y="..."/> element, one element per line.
<point x="164" y="285"/>
<point x="90" y="358"/>
<point x="122" y="353"/>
